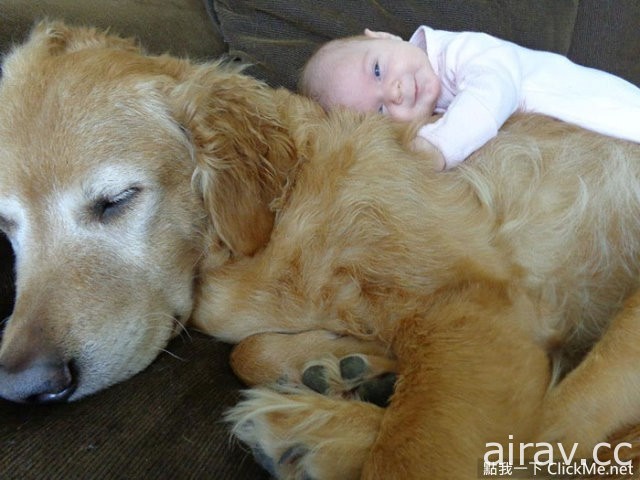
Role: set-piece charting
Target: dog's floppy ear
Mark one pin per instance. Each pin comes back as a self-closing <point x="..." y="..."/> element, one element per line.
<point x="49" y="38"/>
<point x="54" y="37"/>
<point x="243" y="151"/>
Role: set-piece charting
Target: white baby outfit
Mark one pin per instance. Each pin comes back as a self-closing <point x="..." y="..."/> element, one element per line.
<point x="484" y="80"/>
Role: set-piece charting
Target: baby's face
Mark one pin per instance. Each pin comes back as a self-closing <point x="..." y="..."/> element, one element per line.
<point x="389" y="76"/>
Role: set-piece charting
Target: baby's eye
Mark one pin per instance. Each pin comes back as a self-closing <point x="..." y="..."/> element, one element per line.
<point x="376" y="70"/>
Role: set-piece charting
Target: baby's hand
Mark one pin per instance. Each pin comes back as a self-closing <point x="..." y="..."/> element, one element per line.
<point x="419" y="144"/>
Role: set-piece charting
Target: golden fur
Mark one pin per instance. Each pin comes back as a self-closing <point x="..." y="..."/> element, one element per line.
<point x="141" y="192"/>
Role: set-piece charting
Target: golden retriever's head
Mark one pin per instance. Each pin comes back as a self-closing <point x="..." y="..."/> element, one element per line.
<point x="113" y="171"/>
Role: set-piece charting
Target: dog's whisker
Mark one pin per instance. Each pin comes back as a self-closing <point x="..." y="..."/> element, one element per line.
<point x="183" y="328"/>
<point x="177" y="357"/>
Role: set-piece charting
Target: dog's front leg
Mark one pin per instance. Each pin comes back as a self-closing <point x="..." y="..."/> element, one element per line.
<point x="242" y="299"/>
<point x="469" y="375"/>
<point x="260" y="294"/>
<point x="325" y="362"/>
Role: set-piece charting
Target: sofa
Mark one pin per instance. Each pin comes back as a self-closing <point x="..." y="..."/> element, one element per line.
<point x="166" y="421"/>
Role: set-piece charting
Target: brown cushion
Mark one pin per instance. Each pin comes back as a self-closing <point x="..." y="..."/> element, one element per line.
<point x="607" y="36"/>
<point x="279" y="35"/>
<point x="179" y="27"/>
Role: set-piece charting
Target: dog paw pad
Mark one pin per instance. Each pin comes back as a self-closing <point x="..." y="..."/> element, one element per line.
<point x="353" y="367"/>
<point x="378" y="390"/>
<point x="315" y="377"/>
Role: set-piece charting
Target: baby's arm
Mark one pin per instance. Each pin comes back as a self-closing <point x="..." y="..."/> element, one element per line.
<point x="488" y="93"/>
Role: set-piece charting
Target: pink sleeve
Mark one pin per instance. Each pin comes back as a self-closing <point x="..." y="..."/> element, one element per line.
<point x="488" y="84"/>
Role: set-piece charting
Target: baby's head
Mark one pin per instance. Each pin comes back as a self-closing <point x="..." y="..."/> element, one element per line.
<point x="375" y="72"/>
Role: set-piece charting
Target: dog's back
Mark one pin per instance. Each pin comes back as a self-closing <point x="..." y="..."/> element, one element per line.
<point x="547" y="207"/>
<point x="566" y="203"/>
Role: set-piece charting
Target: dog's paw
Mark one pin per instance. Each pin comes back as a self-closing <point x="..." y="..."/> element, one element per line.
<point x="305" y="435"/>
<point x="355" y="376"/>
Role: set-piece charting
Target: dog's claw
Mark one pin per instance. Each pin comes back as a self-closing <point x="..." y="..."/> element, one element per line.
<point x="293" y="454"/>
<point x="264" y="460"/>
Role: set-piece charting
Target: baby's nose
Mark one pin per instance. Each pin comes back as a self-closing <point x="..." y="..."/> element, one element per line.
<point x="394" y="92"/>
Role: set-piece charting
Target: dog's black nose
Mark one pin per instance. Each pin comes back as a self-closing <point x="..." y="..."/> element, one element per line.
<point x="58" y="387"/>
<point x="45" y="379"/>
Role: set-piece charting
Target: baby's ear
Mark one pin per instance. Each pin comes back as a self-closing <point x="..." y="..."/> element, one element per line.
<point x="382" y="35"/>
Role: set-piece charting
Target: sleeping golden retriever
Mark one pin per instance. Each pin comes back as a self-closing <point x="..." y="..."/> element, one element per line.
<point x="143" y="193"/>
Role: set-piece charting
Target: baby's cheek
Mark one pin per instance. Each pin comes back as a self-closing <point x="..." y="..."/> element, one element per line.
<point x="405" y="114"/>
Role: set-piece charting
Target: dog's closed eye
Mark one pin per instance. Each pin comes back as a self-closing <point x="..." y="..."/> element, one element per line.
<point x="107" y="208"/>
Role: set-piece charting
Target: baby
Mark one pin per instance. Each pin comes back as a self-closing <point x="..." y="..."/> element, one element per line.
<point x="477" y="81"/>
